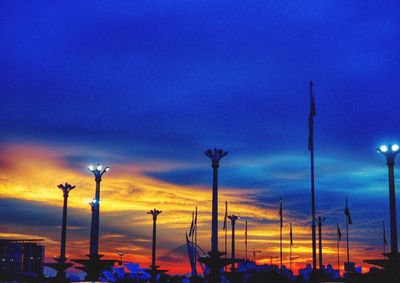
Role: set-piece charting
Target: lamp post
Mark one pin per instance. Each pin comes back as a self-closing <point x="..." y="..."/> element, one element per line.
<point x="233" y="219"/>
<point x="94" y="231"/>
<point x="392" y="263"/>
<point x="215" y="157"/>
<point x="153" y="267"/>
<point x="61" y="265"/>
<point x="320" y="220"/>
<point x="213" y="260"/>
<point x="94" y="265"/>
<point x="65" y="189"/>
<point x="390" y="152"/>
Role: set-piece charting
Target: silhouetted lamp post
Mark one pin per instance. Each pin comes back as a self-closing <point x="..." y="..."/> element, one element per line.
<point x="153" y="267"/>
<point x="233" y="219"/>
<point x="94" y="265"/>
<point x="61" y="264"/>
<point x="94" y="231"/>
<point x="213" y="261"/>
<point x="392" y="263"/>
<point x="65" y="189"/>
<point x="320" y="220"/>
<point x="215" y="155"/>
<point x="390" y="152"/>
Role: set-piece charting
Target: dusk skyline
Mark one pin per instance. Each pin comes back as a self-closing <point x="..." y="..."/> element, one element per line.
<point x="145" y="87"/>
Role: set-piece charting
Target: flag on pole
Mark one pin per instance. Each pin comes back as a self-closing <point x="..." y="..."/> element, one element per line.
<point x="311" y="117"/>
<point x="291" y="234"/>
<point x="280" y="212"/>
<point x="226" y="216"/>
<point x="347" y="212"/>
<point x="339" y="234"/>
<point x="245" y="235"/>
<point x="191" y="225"/>
<point x="384" y="234"/>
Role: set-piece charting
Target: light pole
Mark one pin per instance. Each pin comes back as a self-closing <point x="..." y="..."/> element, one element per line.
<point x="390" y="152"/>
<point x="94" y="265"/>
<point x="94" y="231"/>
<point x="392" y="263"/>
<point x="233" y="219"/>
<point x="65" y="189"/>
<point x="215" y="157"/>
<point x="320" y="220"/>
<point x="153" y="267"/>
<point x="213" y="260"/>
<point x="61" y="264"/>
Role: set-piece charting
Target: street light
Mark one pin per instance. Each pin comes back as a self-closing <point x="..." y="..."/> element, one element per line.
<point x="153" y="267"/>
<point x="233" y="218"/>
<point x="61" y="263"/>
<point x="95" y="204"/>
<point x="65" y="189"/>
<point x="390" y="152"/>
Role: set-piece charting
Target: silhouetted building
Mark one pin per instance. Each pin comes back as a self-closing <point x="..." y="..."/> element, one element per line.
<point x="21" y="259"/>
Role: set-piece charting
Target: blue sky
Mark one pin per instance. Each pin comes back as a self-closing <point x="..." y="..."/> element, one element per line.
<point x="160" y="81"/>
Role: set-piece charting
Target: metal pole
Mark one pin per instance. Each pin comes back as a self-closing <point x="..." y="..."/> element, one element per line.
<point x="347" y="239"/>
<point x="338" y="252"/>
<point x="246" y="243"/>
<point x="195" y="245"/>
<point x="153" y="249"/>
<point x="233" y="219"/>
<point x="280" y="239"/>
<point x="313" y="228"/>
<point x="311" y="148"/>
<point x="320" y="241"/>
<point x="94" y="232"/>
<point x="226" y="235"/>
<point x="215" y="156"/>
<point x="153" y="267"/>
<point x="392" y="200"/>
<point x="62" y="265"/>
<point x="64" y="228"/>
<point x="281" y="253"/>
<point x="233" y="246"/>
<point x="214" y="236"/>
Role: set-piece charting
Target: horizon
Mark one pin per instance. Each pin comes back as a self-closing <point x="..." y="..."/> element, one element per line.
<point x="145" y="88"/>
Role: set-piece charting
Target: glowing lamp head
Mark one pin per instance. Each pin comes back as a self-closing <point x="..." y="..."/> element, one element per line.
<point x="107" y="169"/>
<point x="90" y="167"/>
<point x="383" y="148"/>
<point x="99" y="167"/>
<point x="395" y="147"/>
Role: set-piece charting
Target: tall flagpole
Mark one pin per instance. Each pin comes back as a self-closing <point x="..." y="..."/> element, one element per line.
<point x="281" y="225"/>
<point x="347" y="239"/>
<point x="195" y="244"/>
<point x="291" y="244"/>
<point x="338" y="239"/>
<point x="245" y="241"/>
<point x="226" y="232"/>
<point x="347" y="230"/>
<point x="311" y="149"/>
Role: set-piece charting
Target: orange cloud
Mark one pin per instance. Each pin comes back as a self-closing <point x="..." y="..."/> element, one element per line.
<point x="32" y="173"/>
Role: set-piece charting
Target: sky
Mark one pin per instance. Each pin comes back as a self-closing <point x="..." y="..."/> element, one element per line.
<point x="146" y="86"/>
